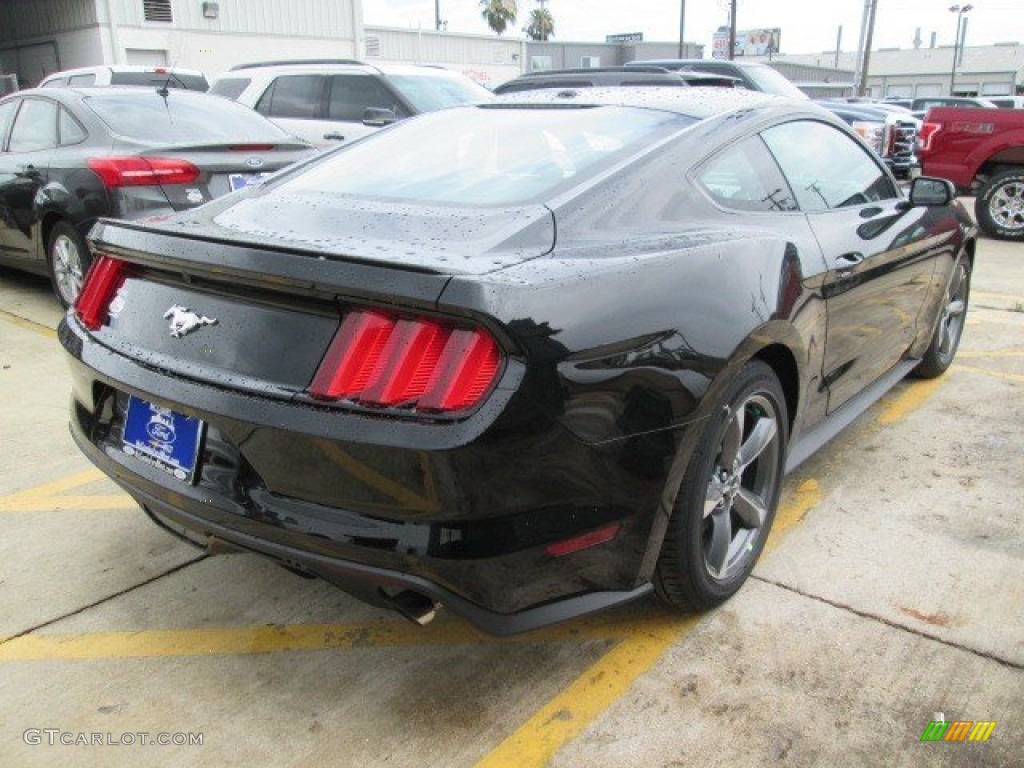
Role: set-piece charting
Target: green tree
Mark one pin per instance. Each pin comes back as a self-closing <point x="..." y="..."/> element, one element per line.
<point x="499" y="14"/>
<point x="542" y="24"/>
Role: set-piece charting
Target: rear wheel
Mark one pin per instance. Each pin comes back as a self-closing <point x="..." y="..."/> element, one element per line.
<point x="727" y="501"/>
<point x="940" y="353"/>
<point x="68" y="257"/>
<point x="999" y="205"/>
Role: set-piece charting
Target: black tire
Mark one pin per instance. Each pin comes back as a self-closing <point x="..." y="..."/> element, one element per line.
<point x="950" y="327"/>
<point x="999" y="205"/>
<point x="694" y="572"/>
<point x="68" y="259"/>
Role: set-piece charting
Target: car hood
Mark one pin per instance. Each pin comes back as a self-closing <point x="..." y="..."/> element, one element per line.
<point x="426" y="238"/>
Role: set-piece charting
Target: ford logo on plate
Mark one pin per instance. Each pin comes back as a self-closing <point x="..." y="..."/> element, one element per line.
<point x="254" y="162"/>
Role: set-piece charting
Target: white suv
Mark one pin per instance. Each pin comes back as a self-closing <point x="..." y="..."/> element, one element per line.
<point x="328" y="101"/>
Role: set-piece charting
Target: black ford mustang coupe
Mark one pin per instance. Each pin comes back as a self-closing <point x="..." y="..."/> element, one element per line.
<point x="525" y="359"/>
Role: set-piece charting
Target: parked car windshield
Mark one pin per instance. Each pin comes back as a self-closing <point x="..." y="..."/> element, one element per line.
<point x="437" y="91"/>
<point x="485" y="155"/>
<point x="181" y="116"/>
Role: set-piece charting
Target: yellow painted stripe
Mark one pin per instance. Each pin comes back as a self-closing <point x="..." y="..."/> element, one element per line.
<point x="295" y="637"/>
<point x="1014" y="377"/>
<point x="29" y="325"/>
<point x="48" y="497"/>
<point x="996" y="353"/>
<point x="909" y="400"/>
<point x="792" y="510"/>
<point x="379" y="482"/>
<point x="69" y="503"/>
<point x="566" y="716"/>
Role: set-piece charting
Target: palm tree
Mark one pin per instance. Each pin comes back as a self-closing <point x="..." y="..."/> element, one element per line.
<point x="542" y="24"/>
<point x="499" y="14"/>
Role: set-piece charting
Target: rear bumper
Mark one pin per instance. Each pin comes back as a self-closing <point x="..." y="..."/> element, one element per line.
<point x="461" y="512"/>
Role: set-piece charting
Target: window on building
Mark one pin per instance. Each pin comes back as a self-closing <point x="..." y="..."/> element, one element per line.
<point x="996" y="89"/>
<point x="541" y="63"/>
<point x="590" y="62"/>
<point x="372" y="47"/>
<point x="157" y="10"/>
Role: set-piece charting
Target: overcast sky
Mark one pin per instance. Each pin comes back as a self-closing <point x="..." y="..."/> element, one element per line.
<point x="808" y="26"/>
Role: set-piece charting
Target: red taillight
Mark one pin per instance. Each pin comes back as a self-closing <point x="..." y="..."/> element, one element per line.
<point x="381" y="359"/>
<point x="142" y="171"/>
<point x="926" y="134"/>
<point x="251" y="147"/>
<point x="105" y="277"/>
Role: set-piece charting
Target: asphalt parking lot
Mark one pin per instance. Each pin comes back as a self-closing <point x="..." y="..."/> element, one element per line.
<point x="891" y="595"/>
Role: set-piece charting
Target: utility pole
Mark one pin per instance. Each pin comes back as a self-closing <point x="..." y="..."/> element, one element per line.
<point x="839" y="45"/>
<point x="732" y="30"/>
<point x="437" y="15"/>
<point x="682" y="27"/>
<point x="862" y="89"/>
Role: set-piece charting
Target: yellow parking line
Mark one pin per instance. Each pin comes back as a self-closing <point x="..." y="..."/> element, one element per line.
<point x="566" y="716"/>
<point x="982" y="354"/>
<point x="807" y="496"/>
<point x="49" y="497"/>
<point x="278" y="638"/>
<point x="909" y="400"/>
<point x="29" y="325"/>
<point x="1014" y="377"/>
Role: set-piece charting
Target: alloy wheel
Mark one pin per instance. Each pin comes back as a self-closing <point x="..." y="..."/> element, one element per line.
<point x="67" y="268"/>
<point x="1006" y="206"/>
<point x="951" y="324"/>
<point x="741" y="486"/>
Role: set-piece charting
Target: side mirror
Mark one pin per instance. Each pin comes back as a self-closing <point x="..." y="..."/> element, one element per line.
<point x="378" y="118"/>
<point x="928" y="191"/>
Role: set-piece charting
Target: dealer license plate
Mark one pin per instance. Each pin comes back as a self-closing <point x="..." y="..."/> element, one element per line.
<point x="162" y="438"/>
<point x="243" y="180"/>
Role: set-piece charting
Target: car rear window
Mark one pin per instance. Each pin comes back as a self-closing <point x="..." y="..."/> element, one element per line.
<point x="170" y="79"/>
<point x="485" y="155"/>
<point x="428" y="92"/>
<point x="230" y="87"/>
<point x="181" y="117"/>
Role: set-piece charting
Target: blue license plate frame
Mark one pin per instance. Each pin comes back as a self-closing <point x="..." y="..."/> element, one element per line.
<point x="162" y="438"/>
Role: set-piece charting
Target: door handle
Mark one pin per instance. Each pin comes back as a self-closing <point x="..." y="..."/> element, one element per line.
<point x="28" y="171"/>
<point x="849" y="260"/>
<point x="334" y="137"/>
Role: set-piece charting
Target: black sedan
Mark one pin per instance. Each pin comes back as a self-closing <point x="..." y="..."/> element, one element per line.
<point x="525" y="359"/>
<point x="70" y="156"/>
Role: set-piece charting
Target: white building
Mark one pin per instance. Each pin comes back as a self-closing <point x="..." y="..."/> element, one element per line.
<point x="38" y="37"/>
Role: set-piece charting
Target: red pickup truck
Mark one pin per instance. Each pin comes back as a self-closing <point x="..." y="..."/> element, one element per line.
<point x="982" y="152"/>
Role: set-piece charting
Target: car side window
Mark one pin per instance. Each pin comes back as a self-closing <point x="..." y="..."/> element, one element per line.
<point x="745" y="177"/>
<point x="292" y="96"/>
<point x="79" y="80"/>
<point x="35" y="127"/>
<point x="7" y="110"/>
<point x="351" y="95"/>
<point x="70" y="131"/>
<point x="826" y="168"/>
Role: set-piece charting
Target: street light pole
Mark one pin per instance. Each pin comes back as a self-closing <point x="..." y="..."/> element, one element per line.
<point x="437" y="15"/>
<point x="957" y="42"/>
<point x="682" y="27"/>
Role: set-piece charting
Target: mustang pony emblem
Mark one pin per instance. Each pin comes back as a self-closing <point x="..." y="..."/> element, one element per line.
<point x="184" y="320"/>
